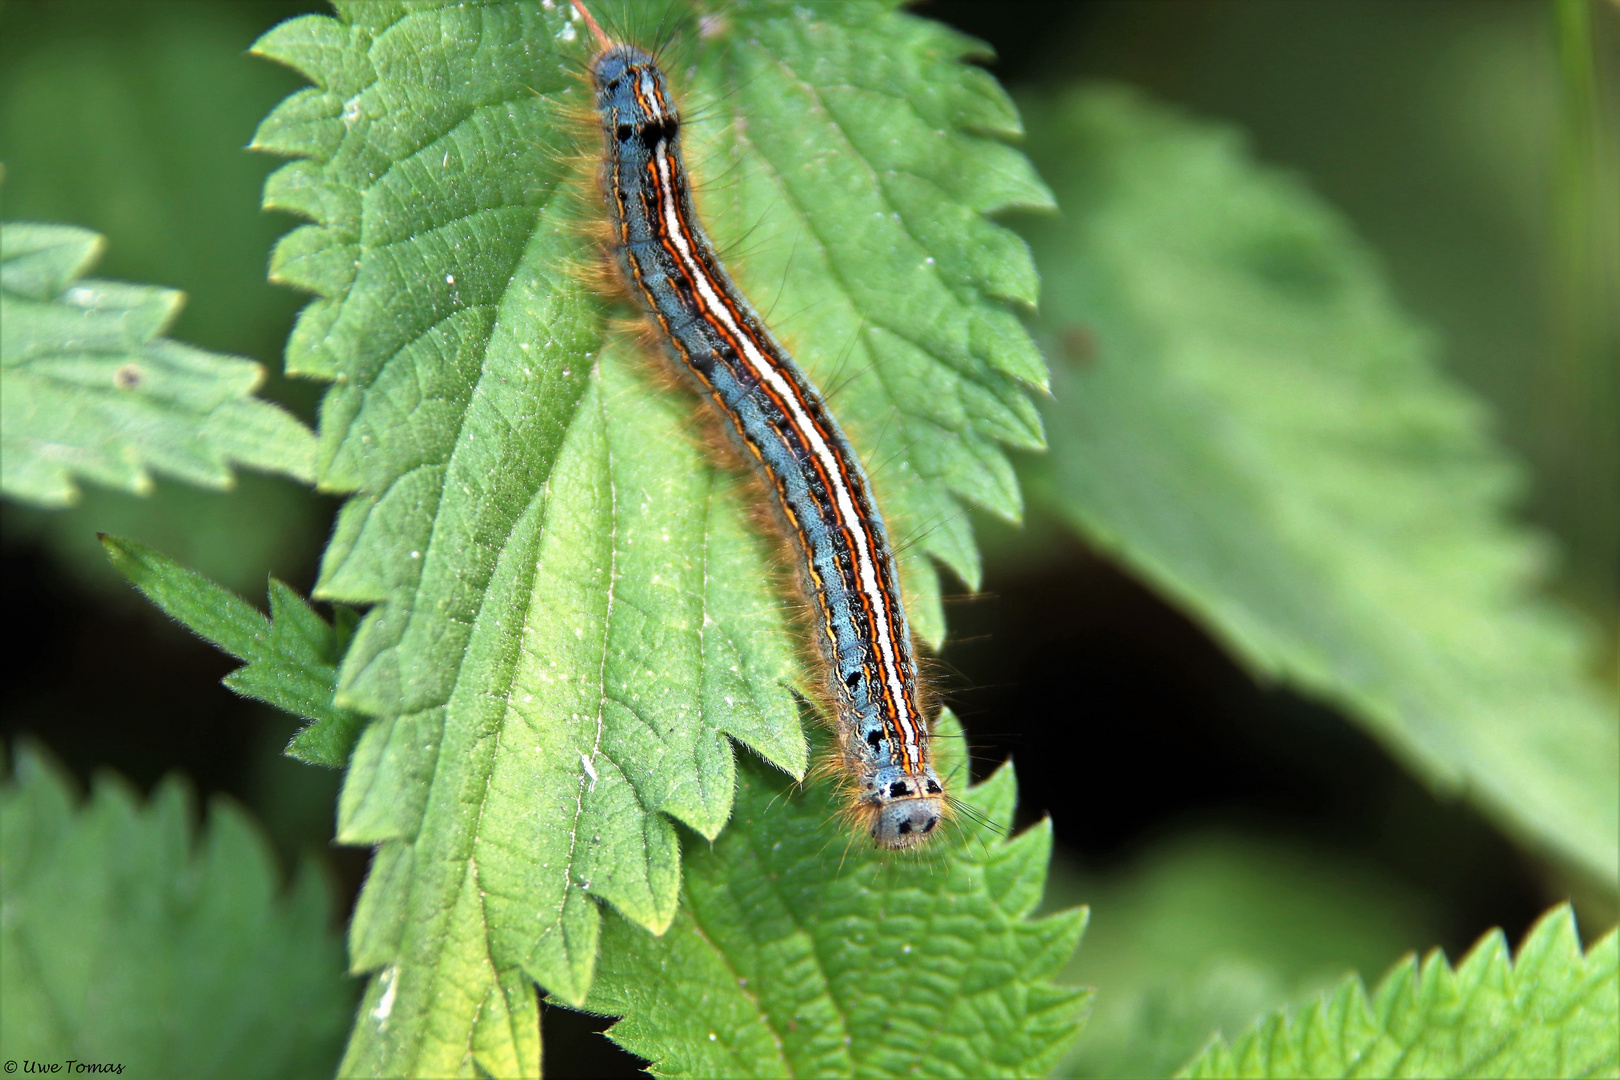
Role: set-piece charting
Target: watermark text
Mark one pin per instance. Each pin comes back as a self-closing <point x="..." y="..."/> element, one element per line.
<point x="70" y="1067"/>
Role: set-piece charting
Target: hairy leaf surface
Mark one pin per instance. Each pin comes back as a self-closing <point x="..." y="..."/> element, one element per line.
<point x="291" y="658"/>
<point x="1548" y="1012"/>
<point x="1248" y="421"/>
<point x="90" y="390"/>
<point x="124" y="943"/>
<point x="795" y="956"/>
<point x="573" y="614"/>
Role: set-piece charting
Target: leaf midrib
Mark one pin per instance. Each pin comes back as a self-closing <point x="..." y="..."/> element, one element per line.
<point x="580" y="790"/>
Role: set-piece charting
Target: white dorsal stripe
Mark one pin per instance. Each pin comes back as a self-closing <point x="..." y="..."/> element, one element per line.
<point x="866" y="571"/>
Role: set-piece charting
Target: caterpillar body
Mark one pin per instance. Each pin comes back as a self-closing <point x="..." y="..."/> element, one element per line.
<point x="778" y="419"/>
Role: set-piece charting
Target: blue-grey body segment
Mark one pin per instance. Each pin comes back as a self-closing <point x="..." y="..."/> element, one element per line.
<point x="778" y="418"/>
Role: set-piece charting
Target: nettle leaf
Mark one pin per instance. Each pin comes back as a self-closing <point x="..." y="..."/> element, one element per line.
<point x="124" y="943"/>
<point x="794" y="955"/>
<point x="291" y="658"/>
<point x="1213" y="929"/>
<point x="89" y="388"/>
<point x="1249" y="422"/>
<point x="573" y="614"/>
<point x="1549" y="1012"/>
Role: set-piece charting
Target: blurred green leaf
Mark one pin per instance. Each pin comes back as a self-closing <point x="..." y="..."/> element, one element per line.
<point x="291" y="657"/>
<point x="1209" y="930"/>
<point x="131" y="120"/>
<point x="122" y="944"/>
<point x="569" y="621"/>
<point x="1247" y="421"/>
<point x="89" y="389"/>
<point x="795" y="954"/>
<point x="264" y="524"/>
<point x="1549" y="1012"/>
<point x="1579" y="382"/>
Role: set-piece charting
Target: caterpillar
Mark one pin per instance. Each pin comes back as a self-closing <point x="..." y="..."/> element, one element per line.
<point x="781" y="425"/>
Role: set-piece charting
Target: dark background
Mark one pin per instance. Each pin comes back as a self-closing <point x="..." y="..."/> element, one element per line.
<point x="1431" y="124"/>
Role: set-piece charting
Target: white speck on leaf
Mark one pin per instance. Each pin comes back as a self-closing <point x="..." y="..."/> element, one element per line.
<point x="385" y="1004"/>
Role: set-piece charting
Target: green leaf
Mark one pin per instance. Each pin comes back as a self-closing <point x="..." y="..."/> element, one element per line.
<point x="1549" y="1012"/>
<point x="131" y="124"/>
<point x="1249" y="423"/>
<point x="291" y="657"/>
<point x="1211" y="930"/>
<point x="124" y="944"/>
<point x="573" y="613"/>
<point x="797" y="952"/>
<point x="89" y="388"/>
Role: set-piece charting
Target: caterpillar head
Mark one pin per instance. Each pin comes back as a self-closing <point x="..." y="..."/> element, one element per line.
<point x="630" y="90"/>
<point x="905" y="809"/>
